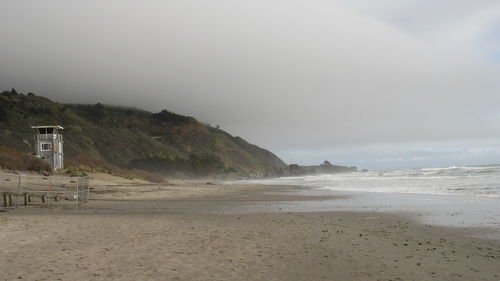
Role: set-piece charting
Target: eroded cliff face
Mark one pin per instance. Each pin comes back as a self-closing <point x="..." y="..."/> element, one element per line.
<point x="129" y="138"/>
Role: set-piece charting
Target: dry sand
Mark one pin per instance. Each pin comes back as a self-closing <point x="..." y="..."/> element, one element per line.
<point x="185" y="242"/>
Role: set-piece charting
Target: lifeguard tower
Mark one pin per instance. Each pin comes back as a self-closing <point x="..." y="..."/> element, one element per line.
<point x="48" y="144"/>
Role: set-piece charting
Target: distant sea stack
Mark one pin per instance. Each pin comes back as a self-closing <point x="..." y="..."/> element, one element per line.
<point x="325" y="168"/>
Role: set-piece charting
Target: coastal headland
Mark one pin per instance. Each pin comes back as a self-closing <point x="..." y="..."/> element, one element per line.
<point x="185" y="230"/>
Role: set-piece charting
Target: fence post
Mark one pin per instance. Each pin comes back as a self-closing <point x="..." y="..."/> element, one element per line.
<point x="88" y="188"/>
<point x="50" y="190"/>
<point x="18" y="190"/>
<point x="77" y="195"/>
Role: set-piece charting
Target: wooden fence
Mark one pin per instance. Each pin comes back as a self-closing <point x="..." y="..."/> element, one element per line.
<point x="26" y="189"/>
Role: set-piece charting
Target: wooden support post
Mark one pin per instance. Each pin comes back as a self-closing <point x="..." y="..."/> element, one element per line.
<point x="44" y="198"/>
<point x="11" y="202"/>
<point x="5" y="204"/>
<point x="25" y="199"/>
<point x="77" y="195"/>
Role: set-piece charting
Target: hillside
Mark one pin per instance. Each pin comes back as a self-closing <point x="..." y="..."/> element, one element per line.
<point x="127" y="138"/>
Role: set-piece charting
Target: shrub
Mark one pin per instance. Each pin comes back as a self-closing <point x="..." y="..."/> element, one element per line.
<point x="197" y="165"/>
<point x="15" y="160"/>
<point x="174" y="118"/>
<point x="152" y="177"/>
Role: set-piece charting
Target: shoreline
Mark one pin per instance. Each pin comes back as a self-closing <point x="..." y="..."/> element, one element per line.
<point x="187" y="238"/>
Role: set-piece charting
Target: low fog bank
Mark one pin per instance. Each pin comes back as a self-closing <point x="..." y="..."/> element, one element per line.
<point x="348" y="81"/>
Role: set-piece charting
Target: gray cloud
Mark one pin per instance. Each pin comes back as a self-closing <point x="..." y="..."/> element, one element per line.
<point x="316" y="78"/>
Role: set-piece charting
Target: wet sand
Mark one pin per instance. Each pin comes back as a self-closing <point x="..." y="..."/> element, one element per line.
<point x="136" y="231"/>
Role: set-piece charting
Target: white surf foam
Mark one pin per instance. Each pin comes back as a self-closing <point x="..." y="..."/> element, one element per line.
<point x="460" y="181"/>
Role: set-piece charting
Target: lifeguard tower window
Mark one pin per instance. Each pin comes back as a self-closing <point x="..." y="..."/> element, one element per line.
<point x="45" y="131"/>
<point x="46" y="146"/>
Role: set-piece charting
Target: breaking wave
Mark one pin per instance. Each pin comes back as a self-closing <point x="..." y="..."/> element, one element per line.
<point x="481" y="181"/>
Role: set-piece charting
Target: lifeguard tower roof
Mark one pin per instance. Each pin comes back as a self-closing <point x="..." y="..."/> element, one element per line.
<point x="45" y="127"/>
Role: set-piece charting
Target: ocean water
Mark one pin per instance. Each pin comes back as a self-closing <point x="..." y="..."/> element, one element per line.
<point x="454" y="196"/>
<point x="460" y="181"/>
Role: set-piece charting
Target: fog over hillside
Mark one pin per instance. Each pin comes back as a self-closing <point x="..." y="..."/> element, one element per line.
<point x="391" y="84"/>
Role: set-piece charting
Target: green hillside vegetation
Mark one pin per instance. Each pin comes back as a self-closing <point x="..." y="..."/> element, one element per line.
<point x="15" y="160"/>
<point x="123" y="139"/>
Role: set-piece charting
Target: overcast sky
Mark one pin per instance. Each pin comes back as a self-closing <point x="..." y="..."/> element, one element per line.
<point x="377" y="84"/>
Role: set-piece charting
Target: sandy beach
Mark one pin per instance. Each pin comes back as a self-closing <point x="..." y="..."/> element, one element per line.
<point x="133" y="230"/>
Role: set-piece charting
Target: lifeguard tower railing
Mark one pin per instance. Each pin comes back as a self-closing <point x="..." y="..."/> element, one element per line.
<point x="25" y="189"/>
<point x="48" y="137"/>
